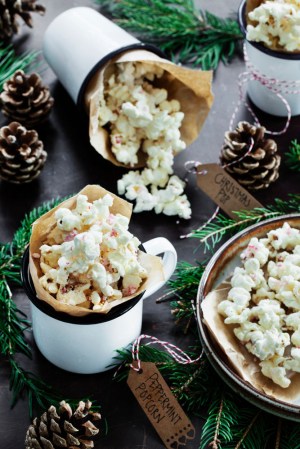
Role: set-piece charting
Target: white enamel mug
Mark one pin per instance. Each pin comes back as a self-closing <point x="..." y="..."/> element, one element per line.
<point x="88" y="345"/>
<point x="80" y="41"/>
<point x="281" y="66"/>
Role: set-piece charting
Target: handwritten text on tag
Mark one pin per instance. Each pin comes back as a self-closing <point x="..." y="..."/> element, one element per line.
<point x="229" y="195"/>
<point x="160" y="406"/>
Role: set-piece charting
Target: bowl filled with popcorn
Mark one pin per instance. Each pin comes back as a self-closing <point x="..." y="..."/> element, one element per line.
<point x="272" y="46"/>
<point x="86" y="276"/>
<point x="248" y="309"/>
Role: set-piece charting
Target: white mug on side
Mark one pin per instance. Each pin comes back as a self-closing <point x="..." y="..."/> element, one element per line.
<point x="90" y="348"/>
<point x="80" y="41"/>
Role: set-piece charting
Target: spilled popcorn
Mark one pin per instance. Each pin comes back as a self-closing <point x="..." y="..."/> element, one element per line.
<point x="276" y="24"/>
<point x="264" y="303"/>
<point x="97" y="261"/>
<point x="141" y="118"/>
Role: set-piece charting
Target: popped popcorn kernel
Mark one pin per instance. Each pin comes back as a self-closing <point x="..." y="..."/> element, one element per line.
<point x="97" y="260"/>
<point x="264" y="303"/>
<point x="143" y="118"/>
<point x="276" y="24"/>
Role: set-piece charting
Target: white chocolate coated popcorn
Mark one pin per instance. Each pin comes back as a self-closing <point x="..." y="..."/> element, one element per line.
<point x="98" y="260"/>
<point x="277" y="24"/>
<point x="264" y="303"/>
<point x="274" y="369"/>
<point x="142" y="118"/>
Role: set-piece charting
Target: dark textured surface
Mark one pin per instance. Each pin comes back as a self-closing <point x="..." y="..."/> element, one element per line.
<point x="72" y="163"/>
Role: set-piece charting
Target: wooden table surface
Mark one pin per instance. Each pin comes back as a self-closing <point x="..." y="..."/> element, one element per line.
<point x="73" y="163"/>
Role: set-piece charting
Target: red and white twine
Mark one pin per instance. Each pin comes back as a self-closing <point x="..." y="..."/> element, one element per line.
<point x="276" y="86"/>
<point x="175" y="352"/>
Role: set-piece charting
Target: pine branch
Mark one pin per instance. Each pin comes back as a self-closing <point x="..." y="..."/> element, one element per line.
<point x="292" y="156"/>
<point x="14" y="323"/>
<point x="185" y="287"/>
<point x="222" y="226"/>
<point x="11" y="253"/>
<point x="252" y="429"/>
<point x="10" y="62"/>
<point x="222" y="415"/>
<point x="278" y="434"/>
<point x="23" y="383"/>
<point x="189" y="383"/>
<point x="290" y="435"/>
<point x="183" y="32"/>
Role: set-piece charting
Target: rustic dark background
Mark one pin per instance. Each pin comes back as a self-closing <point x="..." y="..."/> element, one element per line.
<point x="73" y="163"/>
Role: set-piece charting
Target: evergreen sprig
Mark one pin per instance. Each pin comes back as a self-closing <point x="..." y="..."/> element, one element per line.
<point x="222" y="416"/>
<point x="182" y="31"/>
<point x="292" y="156"/>
<point x="211" y="234"/>
<point x="10" y="62"/>
<point x="231" y="422"/>
<point x="14" y="323"/>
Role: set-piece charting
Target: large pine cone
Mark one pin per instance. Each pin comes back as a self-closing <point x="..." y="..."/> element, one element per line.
<point x="11" y="9"/>
<point x="260" y="167"/>
<point x="63" y="428"/>
<point x="25" y="99"/>
<point x="22" y="154"/>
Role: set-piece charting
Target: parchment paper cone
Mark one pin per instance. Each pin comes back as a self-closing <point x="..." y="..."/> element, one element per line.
<point x="192" y="88"/>
<point x="244" y="363"/>
<point x="44" y="227"/>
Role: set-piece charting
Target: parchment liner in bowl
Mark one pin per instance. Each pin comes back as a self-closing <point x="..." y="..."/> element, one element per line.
<point x="229" y="354"/>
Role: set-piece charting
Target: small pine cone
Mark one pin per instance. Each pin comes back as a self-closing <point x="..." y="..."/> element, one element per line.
<point x="64" y="429"/>
<point x="22" y="154"/>
<point x="25" y="99"/>
<point x="258" y="169"/>
<point x="9" y="12"/>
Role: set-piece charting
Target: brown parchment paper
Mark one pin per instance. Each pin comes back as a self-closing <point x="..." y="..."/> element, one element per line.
<point x="244" y="363"/>
<point x="192" y="88"/>
<point x="45" y="230"/>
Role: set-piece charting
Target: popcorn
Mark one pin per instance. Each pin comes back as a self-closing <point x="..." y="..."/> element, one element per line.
<point x="98" y="259"/>
<point x="276" y="24"/>
<point x="274" y="370"/>
<point x="256" y="250"/>
<point x="262" y="343"/>
<point x="142" y="117"/>
<point x="264" y="302"/>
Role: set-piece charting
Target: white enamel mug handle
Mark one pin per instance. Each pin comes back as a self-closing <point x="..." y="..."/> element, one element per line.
<point x="157" y="246"/>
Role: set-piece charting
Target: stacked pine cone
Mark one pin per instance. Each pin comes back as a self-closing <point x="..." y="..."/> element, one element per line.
<point x="249" y="157"/>
<point x="10" y="10"/>
<point x="22" y="154"/>
<point x="62" y="428"/>
<point x="25" y="99"/>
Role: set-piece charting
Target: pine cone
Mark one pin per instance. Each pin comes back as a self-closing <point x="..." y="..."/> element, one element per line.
<point x="25" y="99"/>
<point x="260" y="167"/>
<point x="63" y="428"/>
<point x="10" y="9"/>
<point x="22" y="156"/>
